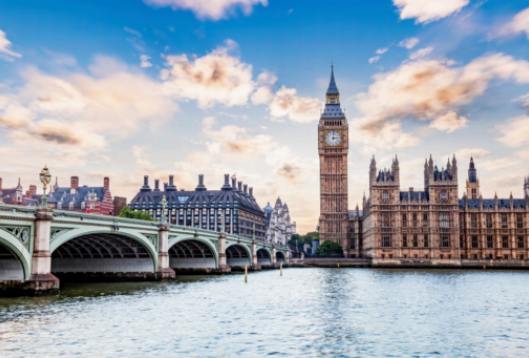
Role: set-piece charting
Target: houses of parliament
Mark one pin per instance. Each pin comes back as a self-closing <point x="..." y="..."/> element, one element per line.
<point x="429" y="226"/>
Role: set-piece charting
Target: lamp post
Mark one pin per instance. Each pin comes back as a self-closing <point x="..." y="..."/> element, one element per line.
<point x="45" y="179"/>
<point x="164" y="207"/>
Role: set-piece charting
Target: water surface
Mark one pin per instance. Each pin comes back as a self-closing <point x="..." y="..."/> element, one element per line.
<point x="304" y="313"/>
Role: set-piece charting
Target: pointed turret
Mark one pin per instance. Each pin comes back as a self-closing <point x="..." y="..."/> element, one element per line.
<point x="332" y="89"/>
<point x="472" y="180"/>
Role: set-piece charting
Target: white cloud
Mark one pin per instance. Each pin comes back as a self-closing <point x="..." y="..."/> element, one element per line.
<point x="409" y="43"/>
<point x="514" y="132"/>
<point x="421" y="53"/>
<point x="519" y="24"/>
<point x="145" y="61"/>
<point x="210" y="9"/>
<point x="286" y="103"/>
<point x="83" y="110"/>
<point x="373" y="60"/>
<point x="424" y="11"/>
<point x="449" y="122"/>
<point x="433" y="90"/>
<point x="215" y="78"/>
<point x="5" y="48"/>
<point x="524" y="100"/>
<point x="381" y="51"/>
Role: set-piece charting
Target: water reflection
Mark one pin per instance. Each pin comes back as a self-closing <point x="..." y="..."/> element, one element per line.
<point x="307" y="312"/>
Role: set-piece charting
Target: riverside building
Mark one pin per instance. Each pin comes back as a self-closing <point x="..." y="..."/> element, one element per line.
<point x="429" y="226"/>
<point x="232" y="209"/>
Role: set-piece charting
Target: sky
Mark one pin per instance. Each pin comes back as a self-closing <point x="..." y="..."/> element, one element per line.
<point x="127" y="88"/>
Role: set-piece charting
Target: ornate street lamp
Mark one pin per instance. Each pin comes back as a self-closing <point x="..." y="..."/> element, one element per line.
<point x="45" y="179"/>
<point x="164" y="207"/>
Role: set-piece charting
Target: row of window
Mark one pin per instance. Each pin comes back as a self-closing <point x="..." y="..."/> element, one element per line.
<point x="489" y="220"/>
<point x="444" y="242"/>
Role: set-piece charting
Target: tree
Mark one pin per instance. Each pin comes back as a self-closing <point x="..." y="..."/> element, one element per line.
<point x="127" y="212"/>
<point x="330" y="248"/>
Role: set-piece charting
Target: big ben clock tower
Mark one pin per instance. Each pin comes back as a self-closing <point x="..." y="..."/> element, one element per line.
<point x="333" y="145"/>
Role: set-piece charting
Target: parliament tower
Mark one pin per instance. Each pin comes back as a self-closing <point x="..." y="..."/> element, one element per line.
<point x="333" y="145"/>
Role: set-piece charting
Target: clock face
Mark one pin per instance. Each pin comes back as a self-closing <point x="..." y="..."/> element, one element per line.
<point x="333" y="138"/>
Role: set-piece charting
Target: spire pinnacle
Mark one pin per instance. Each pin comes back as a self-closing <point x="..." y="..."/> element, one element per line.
<point x="332" y="89"/>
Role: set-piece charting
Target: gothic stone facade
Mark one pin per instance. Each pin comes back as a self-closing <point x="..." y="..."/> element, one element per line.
<point x="279" y="227"/>
<point x="434" y="225"/>
<point x="333" y="146"/>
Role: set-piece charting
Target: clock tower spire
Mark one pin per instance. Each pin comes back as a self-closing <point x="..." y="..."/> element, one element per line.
<point x="333" y="146"/>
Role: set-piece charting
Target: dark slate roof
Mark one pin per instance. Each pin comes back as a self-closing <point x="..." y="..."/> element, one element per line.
<point x="414" y="196"/>
<point x="333" y="89"/>
<point x="385" y="175"/>
<point x="353" y="214"/>
<point x="227" y="197"/>
<point x="443" y="174"/>
<point x="491" y="203"/>
<point x="332" y="111"/>
<point x="66" y="196"/>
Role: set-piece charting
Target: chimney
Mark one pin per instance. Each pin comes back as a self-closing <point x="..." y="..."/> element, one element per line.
<point x="245" y="186"/>
<point x="171" y="180"/>
<point x="239" y="185"/>
<point x="200" y="185"/>
<point x="234" y="182"/>
<point x="251" y="191"/>
<point x="74" y="182"/>
<point x="226" y="185"/>
<point x="32" y="191"/>
<point x="157" y="184"/>
<point x="164" y="186"/>
<point x="106" y="183"/>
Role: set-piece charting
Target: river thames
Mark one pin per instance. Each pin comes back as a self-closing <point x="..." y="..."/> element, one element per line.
<point x="304" y="313"/>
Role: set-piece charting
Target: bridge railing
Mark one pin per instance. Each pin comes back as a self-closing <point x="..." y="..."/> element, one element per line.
<point x="116" y="220"/>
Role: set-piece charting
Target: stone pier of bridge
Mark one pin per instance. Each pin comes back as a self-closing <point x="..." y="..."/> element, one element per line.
<point x="41" y="247"/>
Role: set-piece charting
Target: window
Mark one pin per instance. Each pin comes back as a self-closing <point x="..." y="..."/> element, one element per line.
<point x="386" y="220"/>
<point x="443" y="196"/>
<point x="444" y="221"/>
<point x="504" y="224"/>
<point x="404" y="241"/>
<point x="505" y="242"/>
<point x="386" y="240"/>
<point x="473" y="221"/>
<point x="488" y="221"/>
<point x="519" y="221"/>
<point x="426" y="241"/>
<point x="385" y="196"/>
<point x="414" y="220"/>
<point x="474" y="241"/>
<point x="404" y="220"/>
<point x="415" y="241"/>
<point x="490" y="242"/>
<point x="521" y="243"/>
<point x="425" y="219"/>
<point x="445" y="240"/>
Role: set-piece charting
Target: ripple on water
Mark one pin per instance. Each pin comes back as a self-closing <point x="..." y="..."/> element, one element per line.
<point x="307" y="312"/>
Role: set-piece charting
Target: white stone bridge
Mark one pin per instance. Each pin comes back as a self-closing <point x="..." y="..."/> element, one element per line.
<point x="37" y="245"/>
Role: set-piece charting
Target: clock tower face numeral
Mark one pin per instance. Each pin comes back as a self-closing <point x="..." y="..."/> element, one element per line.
<point x="333" y="138"/>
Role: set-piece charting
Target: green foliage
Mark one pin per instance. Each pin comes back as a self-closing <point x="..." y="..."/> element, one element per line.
<point x="300" y="240"/>
<point x="127" y="212"/>
<point x="330" y="248"/>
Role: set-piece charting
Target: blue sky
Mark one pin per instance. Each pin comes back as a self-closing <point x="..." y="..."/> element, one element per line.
<point x="159" y="87"/>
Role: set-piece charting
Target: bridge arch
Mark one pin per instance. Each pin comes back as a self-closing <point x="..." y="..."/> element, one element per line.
<point x="103" y="250"/>
<point x="238" y="255"/>
<point x="280" y="256"/>
<point x="264" y="257"/>
<point x="15" y="260"/>
<point x="193" y="253"/>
